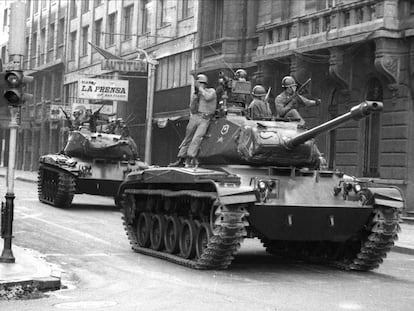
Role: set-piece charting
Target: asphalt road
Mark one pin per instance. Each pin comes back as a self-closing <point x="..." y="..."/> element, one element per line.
<point x="89" y="249"/>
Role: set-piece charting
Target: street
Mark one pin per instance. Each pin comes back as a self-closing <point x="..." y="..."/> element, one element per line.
<point x="89" y="249"/>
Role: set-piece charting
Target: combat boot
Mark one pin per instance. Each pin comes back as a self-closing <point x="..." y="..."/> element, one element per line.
<point x="188" y="162"/>
<point x="194" y="162"/>
<point x="178" y="163"/>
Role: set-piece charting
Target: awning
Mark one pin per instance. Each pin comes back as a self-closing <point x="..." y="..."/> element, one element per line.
<point x="162" y="118"/>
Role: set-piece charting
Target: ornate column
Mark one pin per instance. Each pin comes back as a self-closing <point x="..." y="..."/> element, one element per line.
<point x="388" y="60"/>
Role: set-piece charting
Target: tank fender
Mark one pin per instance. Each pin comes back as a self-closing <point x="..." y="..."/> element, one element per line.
<point x="60" y="162"/>
<point x="388" y="197"/>
<point x="235" y="195"/>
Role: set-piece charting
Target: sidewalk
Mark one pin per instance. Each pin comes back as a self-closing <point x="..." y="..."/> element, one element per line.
<point x="30" y="270"/>
<point x="29" y="267"/>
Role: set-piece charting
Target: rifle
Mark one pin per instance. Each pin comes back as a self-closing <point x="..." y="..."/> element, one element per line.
<point x="67" y="118"/>
<point x="99" y="110"/>
<point x="298" y="91"/>
<point x="267" y="95"/>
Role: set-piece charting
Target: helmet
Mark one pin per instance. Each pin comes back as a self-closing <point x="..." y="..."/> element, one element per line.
<point x="258" y="90"/>
<point x="202" y="78"/>
<point x="241" y="73"/>
<point x="288" y="81"/>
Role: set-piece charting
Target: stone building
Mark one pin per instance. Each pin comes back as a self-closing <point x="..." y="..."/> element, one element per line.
<point x="352" y="51"/>
<point x="58" y="54"/>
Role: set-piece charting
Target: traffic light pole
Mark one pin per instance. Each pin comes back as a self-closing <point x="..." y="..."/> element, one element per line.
<point x="16" y="51"/>
<point x="7" y="209"/>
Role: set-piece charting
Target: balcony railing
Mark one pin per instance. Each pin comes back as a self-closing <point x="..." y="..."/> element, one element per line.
<point x="338" y="22"/>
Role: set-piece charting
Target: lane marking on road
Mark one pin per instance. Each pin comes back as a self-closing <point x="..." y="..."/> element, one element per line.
<point x="85" y="304"/>
<point x="82" y="234"/>
<point x="350" y="306"/>
<point x="25" y="216"/>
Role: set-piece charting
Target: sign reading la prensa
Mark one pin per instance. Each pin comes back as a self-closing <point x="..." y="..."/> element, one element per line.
<point x="104" y="89"/>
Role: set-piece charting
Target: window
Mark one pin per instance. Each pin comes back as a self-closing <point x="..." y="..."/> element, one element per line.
<point x="72" y="50"/>
<point x="35" y="6"/>
<point x="111" y="29"/>
<point x="5" y="20"/>
<point x="3" y="53"/>
<point x="85" y="6"/>
<point x="145" y="16"/>
<point x="330" y="3"/>
<point x="128" y="11"/>
<point x="98" y="3"/>
<point x="214" y="28"/>
<point x="174" y="71"/>
<point x="71" y="93"/>
<point x="73" y="9"/>
<point x="85" y="31"/>
<point x="315" y="25"/>
<point x="326" y="25"/>
<point x="187" y="8"/>
<point x="42" y="40"/>
<point x="28" y="4"/>
<point x="98" y="32"/>
<point x="61" y="31"/>
<point x="51" y="37"/>
<point x="162" y="13"/>
<point x="43" y="4"/>
<point x="34" y="44"/>
<point x="26" y="49"/>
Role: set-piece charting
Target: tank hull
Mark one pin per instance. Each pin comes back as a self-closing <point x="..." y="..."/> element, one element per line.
<point x="79" y="176"/>
<point x="301" y="213"/>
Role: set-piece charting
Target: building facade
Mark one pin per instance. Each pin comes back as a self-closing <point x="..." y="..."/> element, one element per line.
<point x="352" y="51"/>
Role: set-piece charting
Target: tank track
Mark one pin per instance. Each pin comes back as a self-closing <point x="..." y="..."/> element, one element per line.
<point x="55" y="187"/>
<point x="363" y="253"/>
<point x="227" y="223"/>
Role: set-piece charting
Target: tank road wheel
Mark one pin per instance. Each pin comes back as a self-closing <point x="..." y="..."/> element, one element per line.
<point x="143" y="229"/>
<point x="187" y="239"/>
<point x="157" y="232"/>
<point x="203" y="236"/>
<point x="55" y="187"/>
<point x="171" y="234"/>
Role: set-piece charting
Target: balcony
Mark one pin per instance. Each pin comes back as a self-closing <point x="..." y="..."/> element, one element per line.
<point x="340" y="25"/>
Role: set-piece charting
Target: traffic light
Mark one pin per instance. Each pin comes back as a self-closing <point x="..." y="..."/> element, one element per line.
<point x="15" y="82"/>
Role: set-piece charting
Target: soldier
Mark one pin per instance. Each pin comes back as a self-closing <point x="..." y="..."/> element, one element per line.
<point x="202" y="109"/>
<point x="287" y="101"/>
<point x="259" y="109"/>
<point x="235" y="100"/>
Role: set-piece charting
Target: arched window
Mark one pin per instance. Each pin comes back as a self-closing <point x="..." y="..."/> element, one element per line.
<point x="372" y="131"/>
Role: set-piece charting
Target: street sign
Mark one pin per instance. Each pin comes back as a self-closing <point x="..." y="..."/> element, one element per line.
<point x="124" y="65"/>
<point x="103" y="89"/>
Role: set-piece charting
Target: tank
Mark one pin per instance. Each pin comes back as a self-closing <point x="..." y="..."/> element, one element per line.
<point x="91" y="163"/>
<point x="261" y="179"/>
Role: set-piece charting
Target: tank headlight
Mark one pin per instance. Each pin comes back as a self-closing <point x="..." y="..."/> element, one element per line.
<point x="262" y="185"/>
<point x="357" y="188"/>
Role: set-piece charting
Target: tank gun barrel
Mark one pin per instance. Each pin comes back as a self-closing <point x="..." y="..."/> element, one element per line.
<point x="357" y="112"/>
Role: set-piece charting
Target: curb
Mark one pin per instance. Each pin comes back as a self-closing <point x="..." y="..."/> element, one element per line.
<point x="403" y="250"/>
<point x="41" y="283"/>
<point x="25" y="179"/>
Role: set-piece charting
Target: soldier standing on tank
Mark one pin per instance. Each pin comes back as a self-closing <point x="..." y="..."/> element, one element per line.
<point x="259" y="109"/>
<point x="289" y="100"/>
<point x="202" y="109"/>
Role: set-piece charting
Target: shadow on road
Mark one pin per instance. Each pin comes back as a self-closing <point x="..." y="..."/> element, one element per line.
<point x="91" y="207"/>
<point x="258" y="262"/>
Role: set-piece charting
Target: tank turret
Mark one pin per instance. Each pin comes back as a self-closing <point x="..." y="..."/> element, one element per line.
<point x="234" y="139"/>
